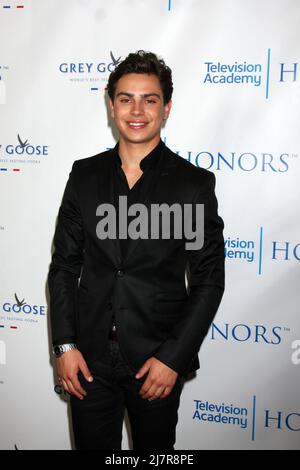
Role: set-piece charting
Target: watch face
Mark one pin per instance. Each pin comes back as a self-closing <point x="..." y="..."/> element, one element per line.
<point x="56" y="350"/>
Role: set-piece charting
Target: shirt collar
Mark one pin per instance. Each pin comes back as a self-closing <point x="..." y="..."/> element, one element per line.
<point x="149" y="161"/>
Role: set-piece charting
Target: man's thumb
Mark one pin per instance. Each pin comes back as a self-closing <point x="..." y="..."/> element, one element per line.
<point x="86" y="373"/>
<point x="143" y="370"/>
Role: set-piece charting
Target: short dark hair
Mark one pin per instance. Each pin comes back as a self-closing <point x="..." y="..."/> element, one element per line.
<point x="143" y="62"/>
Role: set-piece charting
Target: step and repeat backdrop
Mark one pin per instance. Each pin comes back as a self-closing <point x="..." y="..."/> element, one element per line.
<point x="236" y="111"/>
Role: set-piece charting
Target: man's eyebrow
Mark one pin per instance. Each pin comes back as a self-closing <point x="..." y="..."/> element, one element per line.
<point x="145" y="95"/>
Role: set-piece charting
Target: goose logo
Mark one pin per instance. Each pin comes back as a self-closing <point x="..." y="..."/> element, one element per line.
<point x="19" y="310"/>
<point x="24" y="148"/>
<point x="19" y="303"/>
<point x="89" y="72"/>
<point x="22" y="144"/>
<point x="115" y="62"/>
<point x="82" y="71"/>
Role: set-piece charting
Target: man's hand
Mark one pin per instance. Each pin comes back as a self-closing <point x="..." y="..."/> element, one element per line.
<point x="160" y="379"/>
<point x="68" y="366"/>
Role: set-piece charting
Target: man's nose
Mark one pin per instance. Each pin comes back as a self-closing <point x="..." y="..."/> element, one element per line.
<point x="137" y="108"/>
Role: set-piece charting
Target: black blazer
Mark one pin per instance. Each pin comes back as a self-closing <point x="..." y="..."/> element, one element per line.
<point x="156" y="315"/>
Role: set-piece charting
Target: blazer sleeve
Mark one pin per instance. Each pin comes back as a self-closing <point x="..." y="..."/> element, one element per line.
<point x="205" y="287"/>
<point x="65" y="267"/>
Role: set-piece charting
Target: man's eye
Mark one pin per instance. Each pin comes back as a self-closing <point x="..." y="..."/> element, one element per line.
<point x="124" y="100"/>
<point x="150" y="101"/>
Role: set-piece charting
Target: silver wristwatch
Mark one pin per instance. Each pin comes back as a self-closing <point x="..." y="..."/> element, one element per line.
<point x="62" y="348"/>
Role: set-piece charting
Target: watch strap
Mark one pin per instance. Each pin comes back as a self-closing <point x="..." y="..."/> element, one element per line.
<point x="60" y="349"/>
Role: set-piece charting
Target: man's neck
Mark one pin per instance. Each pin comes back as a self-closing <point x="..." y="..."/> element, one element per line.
<point x="131" y="154"/>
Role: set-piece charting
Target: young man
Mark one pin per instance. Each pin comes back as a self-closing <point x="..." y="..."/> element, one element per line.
<point x="125" y="327"/>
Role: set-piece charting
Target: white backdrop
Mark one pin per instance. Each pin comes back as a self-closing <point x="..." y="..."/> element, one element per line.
<point x="236" y="112"/>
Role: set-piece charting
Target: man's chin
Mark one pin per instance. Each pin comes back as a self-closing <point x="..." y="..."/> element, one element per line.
<point x="140" y="139"/>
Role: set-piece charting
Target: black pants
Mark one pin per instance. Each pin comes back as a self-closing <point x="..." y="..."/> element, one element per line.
<point x="98" y="418"/>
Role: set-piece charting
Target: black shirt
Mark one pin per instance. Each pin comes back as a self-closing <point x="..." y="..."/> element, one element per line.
<point x="121" y="188"/>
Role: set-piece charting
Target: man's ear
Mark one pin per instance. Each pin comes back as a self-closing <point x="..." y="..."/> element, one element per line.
<point x="168" y="107"/>
<point x="111" y="107"/>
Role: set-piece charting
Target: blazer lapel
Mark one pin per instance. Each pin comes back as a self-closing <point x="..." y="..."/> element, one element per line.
<point x="106" y="195"/>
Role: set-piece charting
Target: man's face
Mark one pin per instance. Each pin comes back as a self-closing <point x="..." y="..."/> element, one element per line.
<point x="138" y="108"/>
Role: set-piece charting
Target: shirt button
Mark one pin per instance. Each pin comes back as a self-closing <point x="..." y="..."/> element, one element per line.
<point x="120" y="273"/>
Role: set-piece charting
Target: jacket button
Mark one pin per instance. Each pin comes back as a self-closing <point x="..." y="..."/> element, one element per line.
<point x="120" y="273"/>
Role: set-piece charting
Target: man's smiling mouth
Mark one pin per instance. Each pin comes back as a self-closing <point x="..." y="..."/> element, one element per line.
<point x="137" y="124"/>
